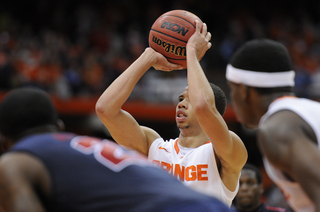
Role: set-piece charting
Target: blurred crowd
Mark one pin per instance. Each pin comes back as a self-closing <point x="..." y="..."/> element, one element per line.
<point x="77" y="48"/>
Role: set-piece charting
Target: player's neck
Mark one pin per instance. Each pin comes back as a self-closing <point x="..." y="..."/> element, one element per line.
<point x="192" y="141"/>
<point x="37" y="130"/>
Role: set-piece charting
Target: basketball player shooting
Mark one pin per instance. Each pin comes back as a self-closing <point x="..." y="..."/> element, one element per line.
<point x="206" y="156"/>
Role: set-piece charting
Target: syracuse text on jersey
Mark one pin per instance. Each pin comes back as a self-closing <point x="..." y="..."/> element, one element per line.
<point x="197" y="172"/>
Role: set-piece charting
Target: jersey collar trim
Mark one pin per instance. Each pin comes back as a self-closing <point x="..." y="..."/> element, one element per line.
<point x="176" y="147"/>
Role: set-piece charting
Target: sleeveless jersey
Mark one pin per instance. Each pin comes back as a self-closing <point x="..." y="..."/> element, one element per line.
<point x="88" y="174"/>
<point x="196" y="167"/>
<point x="309" y="111"/>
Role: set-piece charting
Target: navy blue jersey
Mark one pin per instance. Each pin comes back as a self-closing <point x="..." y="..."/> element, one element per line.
<point x="89" y="174"/>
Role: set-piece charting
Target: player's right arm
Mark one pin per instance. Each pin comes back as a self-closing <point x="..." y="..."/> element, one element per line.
<point x="123" y="128"/>
<point x="290" y="148"/>
<point x="22" y="178"/>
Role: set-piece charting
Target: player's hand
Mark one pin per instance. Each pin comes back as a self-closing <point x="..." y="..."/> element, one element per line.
<point x="161" y="63"/>
<point x="200" y="40"/>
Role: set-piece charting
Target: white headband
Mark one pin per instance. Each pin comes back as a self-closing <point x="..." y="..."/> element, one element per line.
<point x="260" y="79"/>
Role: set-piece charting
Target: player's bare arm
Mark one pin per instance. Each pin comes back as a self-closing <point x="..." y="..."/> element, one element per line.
<point x="228" y="146"/>
<point x="292" y="148"/>
<point x="22" y="174"/>
<point x="124" y="129"/>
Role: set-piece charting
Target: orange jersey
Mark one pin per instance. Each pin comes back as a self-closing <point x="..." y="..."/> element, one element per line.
<point x="309" y="111"/>
<point x="196" y="167"/>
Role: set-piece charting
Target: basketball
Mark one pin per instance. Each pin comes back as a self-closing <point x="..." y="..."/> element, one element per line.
<point x="170" y="33"/>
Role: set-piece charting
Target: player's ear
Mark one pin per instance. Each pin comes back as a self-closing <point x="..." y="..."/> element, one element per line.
<point x="243" y="91"/>
<point x="60" y="125"/>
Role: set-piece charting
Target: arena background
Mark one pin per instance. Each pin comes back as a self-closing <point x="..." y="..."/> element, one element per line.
<point x="75" y="49"/>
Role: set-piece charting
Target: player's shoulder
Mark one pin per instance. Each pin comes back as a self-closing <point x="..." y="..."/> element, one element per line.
<point x="284" y="124"/>
<point x="17" y="158"/>
<point x="19" y="163"/>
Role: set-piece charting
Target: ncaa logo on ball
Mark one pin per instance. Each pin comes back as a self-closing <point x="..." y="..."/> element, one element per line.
<point x="174" y="27"/>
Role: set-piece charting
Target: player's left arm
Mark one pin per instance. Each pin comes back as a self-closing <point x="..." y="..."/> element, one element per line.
<point x="290" y="148"/>
<point x="227" y="145"/>
<point x="19" y="174"/>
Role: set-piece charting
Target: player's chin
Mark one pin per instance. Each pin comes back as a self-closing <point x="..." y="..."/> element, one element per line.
<point x="182" y="125"/>
<point x="245" y="200"/>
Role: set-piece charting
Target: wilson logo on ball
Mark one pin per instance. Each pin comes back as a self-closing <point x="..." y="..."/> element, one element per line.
<point x="174" y="27"/>
<point x="169" y="47"/>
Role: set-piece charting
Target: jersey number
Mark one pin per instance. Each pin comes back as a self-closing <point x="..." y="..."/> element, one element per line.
<point x="108" y="153"/>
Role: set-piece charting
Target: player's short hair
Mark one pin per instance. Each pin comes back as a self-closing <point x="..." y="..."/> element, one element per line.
<point x="25" y="108"/>
<point x="263" y="55"/>
<point x="255" y="169"/>
<point x="220" y="98"/>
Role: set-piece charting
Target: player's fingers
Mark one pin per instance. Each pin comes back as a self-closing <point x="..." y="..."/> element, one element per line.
<point x="172" y="66"/>
<point x="208" y="36"/>
<point x="170" y="69"/>
<point x="204" y="29"/>
<point x="209" y="45"/>
<point x="198" y="26"/>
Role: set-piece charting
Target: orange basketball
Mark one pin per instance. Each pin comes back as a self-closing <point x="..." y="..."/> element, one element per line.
<point x="170" y="33"/>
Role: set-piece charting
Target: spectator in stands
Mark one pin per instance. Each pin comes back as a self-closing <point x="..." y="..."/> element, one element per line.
<point x="250" y="191"/>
